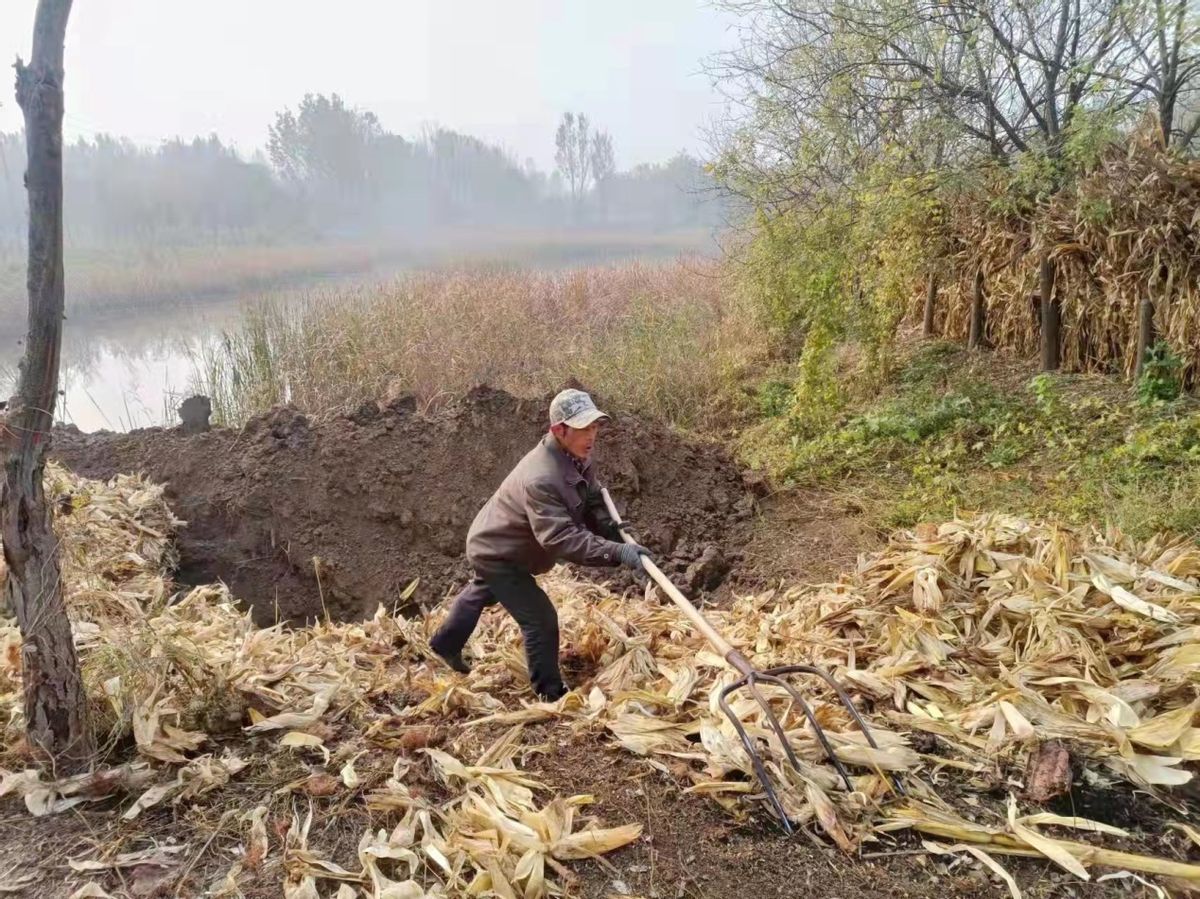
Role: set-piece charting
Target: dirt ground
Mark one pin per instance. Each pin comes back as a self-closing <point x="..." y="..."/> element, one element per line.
<point x="689" y="849"/>
<point x="383" y="495"/>
<point x="301" y="517"/>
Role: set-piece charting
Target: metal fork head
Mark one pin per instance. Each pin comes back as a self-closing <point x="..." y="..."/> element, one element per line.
<point x="750" y="681"/>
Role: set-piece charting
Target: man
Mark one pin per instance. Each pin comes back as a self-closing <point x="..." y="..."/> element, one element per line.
<point x="548" y="509"/>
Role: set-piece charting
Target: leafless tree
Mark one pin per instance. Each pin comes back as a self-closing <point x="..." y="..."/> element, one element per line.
<point x="1165" y="37"/>
<point x="55" y="708"/>
<point x="573" y="153"/>
<point x="604" y="164"/>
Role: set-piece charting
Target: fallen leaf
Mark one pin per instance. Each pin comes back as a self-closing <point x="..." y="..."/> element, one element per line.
<point x="299" y="739"/>
<point x="1163" y="731"/>
<point x="349" y="776"/>
<point x="91" y="891"/>
<point x="257" y="847"/>
<point x="1043" y="844"/>
<point x="321" y="785"/>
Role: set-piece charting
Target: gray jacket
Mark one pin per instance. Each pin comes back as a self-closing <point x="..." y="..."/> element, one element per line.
<point x="544" y="511"/>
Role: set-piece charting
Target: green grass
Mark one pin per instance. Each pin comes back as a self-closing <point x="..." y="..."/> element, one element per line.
<point x="956" y="431"/>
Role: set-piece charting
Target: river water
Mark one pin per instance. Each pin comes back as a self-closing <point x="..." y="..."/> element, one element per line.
<point x="129" y="372"/>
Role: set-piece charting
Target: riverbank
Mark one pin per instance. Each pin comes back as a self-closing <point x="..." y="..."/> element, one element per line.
<point x="143" y="324"/>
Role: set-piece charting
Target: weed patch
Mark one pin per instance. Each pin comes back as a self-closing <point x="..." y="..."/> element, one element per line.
<point x="956" y="432"/>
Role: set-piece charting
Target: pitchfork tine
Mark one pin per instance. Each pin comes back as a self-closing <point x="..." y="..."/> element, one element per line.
<point x="751" y="683"/>
<point x="750" y="678"/>
<point x="817" y="729"/>
<point x="760" y="770"/>
<point x="846" y="703"/>
<point x="841" y="694"/>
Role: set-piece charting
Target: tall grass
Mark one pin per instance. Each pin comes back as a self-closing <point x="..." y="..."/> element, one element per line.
<point x="663" y="339"/>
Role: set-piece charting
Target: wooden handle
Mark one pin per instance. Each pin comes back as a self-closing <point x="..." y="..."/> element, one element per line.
<point x="699" y="621"/>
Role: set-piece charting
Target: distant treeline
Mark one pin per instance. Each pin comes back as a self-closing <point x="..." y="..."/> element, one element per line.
<point x="332" y="171"/>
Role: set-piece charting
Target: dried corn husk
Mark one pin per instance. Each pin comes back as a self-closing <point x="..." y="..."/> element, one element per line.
<point x="991" y="633"/>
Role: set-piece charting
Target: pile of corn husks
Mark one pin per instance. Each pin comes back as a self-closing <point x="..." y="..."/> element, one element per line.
<point x="991" y="634"/>
<point x="193" y="681"/>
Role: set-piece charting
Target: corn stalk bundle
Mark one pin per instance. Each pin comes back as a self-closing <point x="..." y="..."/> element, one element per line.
<point x="1125" y="229"/>
<point x="1129" y="230"/>
<point x="995" y="238"/>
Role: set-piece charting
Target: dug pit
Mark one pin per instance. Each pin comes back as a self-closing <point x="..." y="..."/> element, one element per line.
<point x="305" y="518"/>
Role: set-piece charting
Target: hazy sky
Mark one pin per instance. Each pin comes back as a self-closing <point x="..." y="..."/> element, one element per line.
<point x="504" y="70"/>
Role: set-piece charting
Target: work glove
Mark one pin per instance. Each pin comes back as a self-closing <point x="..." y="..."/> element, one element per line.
<point x="630" y="555"/>
<point x="615" y="531"/>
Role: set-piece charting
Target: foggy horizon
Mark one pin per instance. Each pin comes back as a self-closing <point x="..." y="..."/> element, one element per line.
<point x="221" y="157"/>
<point x="504" y="74"/>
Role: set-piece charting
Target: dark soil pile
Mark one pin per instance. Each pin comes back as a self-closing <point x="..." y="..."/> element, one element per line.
<point x="299" y="516"/>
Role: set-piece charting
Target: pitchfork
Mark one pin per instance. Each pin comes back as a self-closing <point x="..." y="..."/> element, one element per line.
<point x="750" y="679"/>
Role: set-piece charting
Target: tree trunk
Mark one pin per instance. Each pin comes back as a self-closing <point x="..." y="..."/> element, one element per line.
<point x="55" y="706"/>
<point x="975" y="339"/>
<point x="1146" y="335"/>
<point x="1051" y="316"/>
<point x="931" y="292"/>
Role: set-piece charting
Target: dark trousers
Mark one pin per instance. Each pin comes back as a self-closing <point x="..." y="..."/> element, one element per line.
<point x="528" y="604"/>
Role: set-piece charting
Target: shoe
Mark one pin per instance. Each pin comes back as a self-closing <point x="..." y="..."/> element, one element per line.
<point x="454" y="660"/>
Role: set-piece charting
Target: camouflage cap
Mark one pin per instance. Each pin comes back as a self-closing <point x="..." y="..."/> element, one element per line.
<point x="575" y="409"/>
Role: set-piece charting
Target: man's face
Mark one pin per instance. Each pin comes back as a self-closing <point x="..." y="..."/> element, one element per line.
<point x="578" y="441"/>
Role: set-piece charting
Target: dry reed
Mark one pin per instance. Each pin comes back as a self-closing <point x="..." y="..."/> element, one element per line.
<point x="144" y="278"/>
<point x="662" y="339"/>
